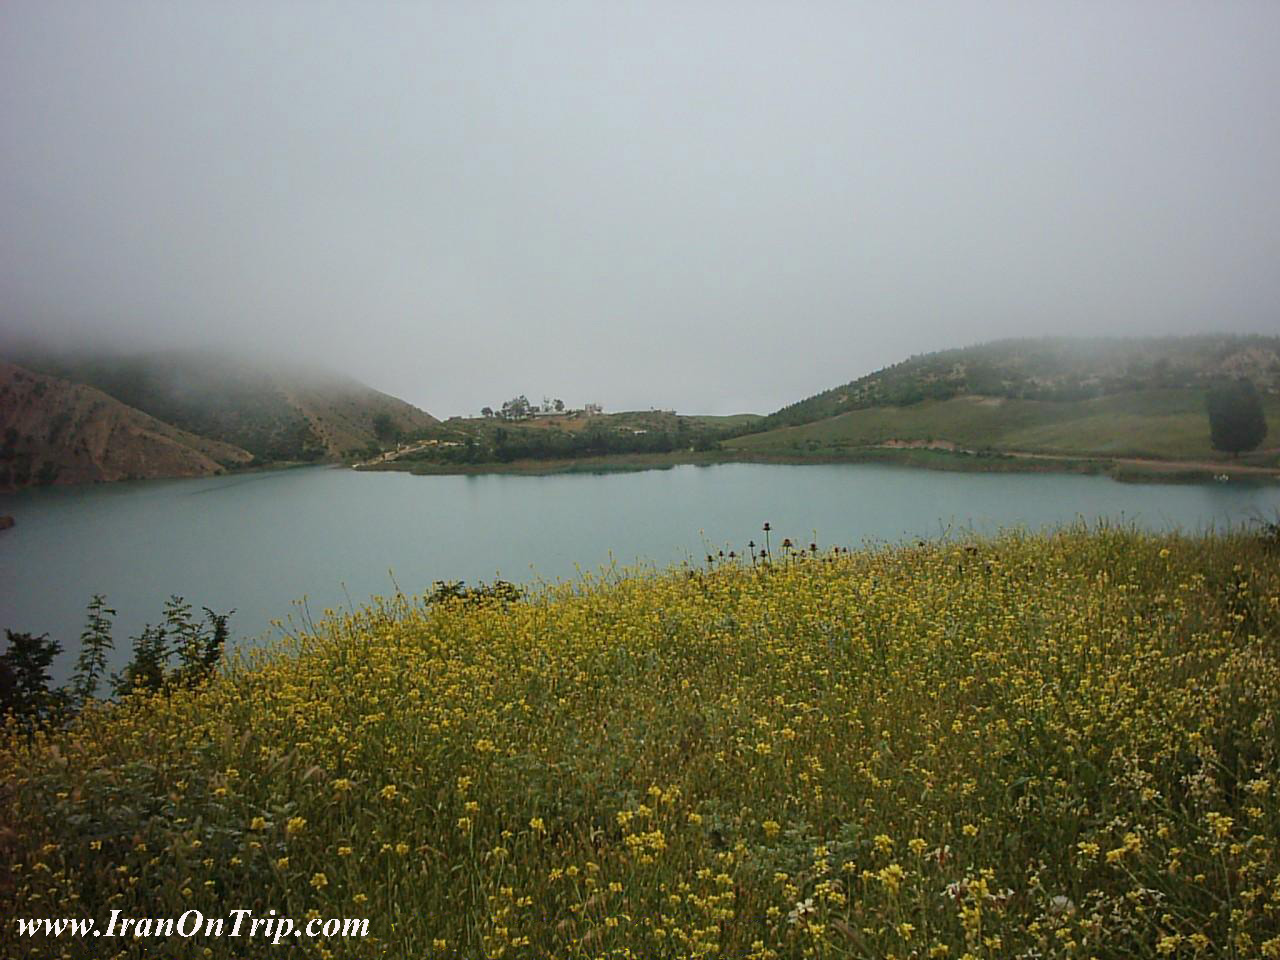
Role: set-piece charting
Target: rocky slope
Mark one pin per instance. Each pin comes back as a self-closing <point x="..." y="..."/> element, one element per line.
<point x="56" y="431"/>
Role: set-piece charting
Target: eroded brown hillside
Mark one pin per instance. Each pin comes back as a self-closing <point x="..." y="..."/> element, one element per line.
<point x="55" y="431"/>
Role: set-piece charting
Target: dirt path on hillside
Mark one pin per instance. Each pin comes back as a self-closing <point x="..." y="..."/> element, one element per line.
<point x="1161" y="466"/>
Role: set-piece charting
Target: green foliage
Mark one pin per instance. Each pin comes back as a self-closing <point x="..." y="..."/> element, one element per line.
<point x="1236" y="420"/>
<point x="148" y="670"/>
<point x="24" y="666"/>
<point x="500" y="591"/>
<point x="197" y="646"/>
<point x="95" y="646"/>
<point x="24" y="678"/>
<point x="504" y="440"/>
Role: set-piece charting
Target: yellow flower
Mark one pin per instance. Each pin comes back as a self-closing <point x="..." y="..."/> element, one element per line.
<point x="258" y="823"/>
<point x="771" y="828"/>
<point x="1220" y="825"/>
<point x="319" y="881"/>
<point x="537" y="825"/>
<point x="388" y="792"/>
<point x="295" y="826"/>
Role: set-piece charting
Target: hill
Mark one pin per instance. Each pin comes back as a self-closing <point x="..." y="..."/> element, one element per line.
<point x="1036" y="746"/>
<point x="55" y="431"/>
<point x="1049" y="369"/>
<point x="1160" y="424"/>
<point x="277" y="413"/>
<point x="1053" y="398"/>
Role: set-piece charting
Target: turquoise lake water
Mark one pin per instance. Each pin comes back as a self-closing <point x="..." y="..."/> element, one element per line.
<point x="260" y="542"/>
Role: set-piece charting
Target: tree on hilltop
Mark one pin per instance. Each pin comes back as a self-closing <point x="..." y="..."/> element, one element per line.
<point x="517" y="408"/>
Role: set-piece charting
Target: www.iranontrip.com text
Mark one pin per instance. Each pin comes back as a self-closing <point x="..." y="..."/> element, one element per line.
<point x="193" y="923"/>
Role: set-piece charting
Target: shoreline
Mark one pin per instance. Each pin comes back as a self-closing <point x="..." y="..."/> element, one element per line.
<point x="1120" y="469"/>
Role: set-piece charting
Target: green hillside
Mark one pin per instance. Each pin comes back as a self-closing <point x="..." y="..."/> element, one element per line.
<point x="1049" y="369"/>
<point x="1164" y="424"/>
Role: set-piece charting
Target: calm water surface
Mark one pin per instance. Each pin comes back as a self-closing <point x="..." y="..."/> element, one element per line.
<point x="260" y="542"/>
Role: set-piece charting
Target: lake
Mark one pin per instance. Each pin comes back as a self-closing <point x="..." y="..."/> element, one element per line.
<point x="259" y="542"/>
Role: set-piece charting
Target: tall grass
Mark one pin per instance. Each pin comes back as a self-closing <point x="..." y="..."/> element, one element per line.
<point x="1059" y="745"/>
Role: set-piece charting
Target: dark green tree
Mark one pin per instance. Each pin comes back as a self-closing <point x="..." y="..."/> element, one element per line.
<point x="1236" y="420"/>
<point x="384" y="428"/>
<point x="213" y="641"/>
<point x="24" y="678"/>
<point x="149" y="669"/>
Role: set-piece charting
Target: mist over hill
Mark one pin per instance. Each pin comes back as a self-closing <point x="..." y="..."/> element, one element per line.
<point x="206" y="411"/>
<point x="273" y="410"/>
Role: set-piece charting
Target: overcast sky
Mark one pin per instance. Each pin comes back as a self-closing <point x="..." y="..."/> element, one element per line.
<point x="709" y="206"/>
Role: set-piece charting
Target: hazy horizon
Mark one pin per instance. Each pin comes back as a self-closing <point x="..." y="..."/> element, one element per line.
<point x="718" y="207"/>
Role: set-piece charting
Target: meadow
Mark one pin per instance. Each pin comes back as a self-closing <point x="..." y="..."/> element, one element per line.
<point x="1059" y="745"/>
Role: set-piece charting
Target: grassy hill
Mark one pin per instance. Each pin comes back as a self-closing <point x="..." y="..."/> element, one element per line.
<point x="1038" y="746"/>
<point x="277" y="413"/>
<point x="1139" y="398"/>
<point x="1162" y="423"/>
<point x="1049" y="369"/>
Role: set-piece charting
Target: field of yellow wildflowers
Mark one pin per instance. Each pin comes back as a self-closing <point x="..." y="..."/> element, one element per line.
<point x="1034" y="746"/>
